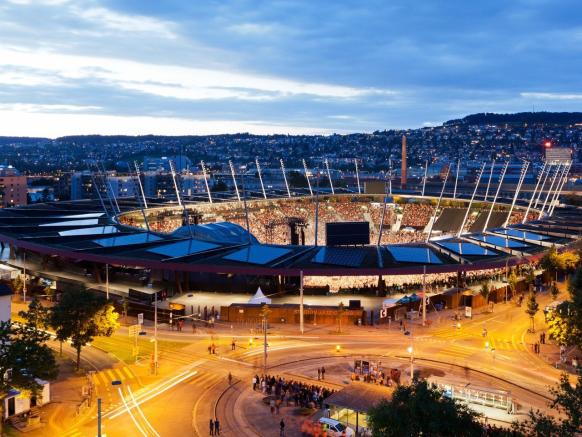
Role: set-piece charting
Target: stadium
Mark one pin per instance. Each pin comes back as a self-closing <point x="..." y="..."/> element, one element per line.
<point x="327" y="240"/>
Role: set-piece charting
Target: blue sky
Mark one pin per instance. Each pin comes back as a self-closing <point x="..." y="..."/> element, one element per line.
<point x="202" y="67"/>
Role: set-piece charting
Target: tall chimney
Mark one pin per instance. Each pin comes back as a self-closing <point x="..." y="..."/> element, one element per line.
<point x="403" y="168"/>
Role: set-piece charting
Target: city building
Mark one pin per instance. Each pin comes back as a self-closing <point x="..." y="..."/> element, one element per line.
<point x="13" y="187"/>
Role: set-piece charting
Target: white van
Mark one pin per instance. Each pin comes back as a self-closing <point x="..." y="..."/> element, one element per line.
<point x="336" y="429"/>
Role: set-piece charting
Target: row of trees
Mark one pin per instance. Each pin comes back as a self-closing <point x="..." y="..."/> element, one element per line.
<point x="78" y="317"/>
<point x="419" y="409"/>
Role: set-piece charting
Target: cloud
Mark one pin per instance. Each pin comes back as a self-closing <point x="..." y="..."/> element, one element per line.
<point x="170" y="80"/>
<point x="552" y="96"/>
<point x="34" y="107"/>
<point x="126" y="23"/>
<point x="62" y="124"/>
<point x="252" y="28"/>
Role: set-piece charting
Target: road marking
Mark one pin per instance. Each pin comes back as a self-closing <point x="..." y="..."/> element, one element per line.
<point x="128" y="372"/>
<point x="140" y="411"/>
<point x="130" y="413"/>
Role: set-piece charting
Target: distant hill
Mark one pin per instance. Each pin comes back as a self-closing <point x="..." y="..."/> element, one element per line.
<point x="519" y="117"/>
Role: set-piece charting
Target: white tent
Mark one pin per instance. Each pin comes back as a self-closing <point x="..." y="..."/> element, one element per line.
<point x="259" y="297"/>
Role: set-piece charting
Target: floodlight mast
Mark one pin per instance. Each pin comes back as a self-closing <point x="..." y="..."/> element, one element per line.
<point x="554" y="179"/>
<point x="456" y="179"/>
<point x="104" y="182"/>
<point x="501" y="177"/>
<point x="563" y="183"/>
<point x="533" y="195"/>
<point x="285" y="177"/>
<point x="137" y="173"/>
<point x="425" y="176"/>
<point x="109" y="189"/>
<point x="234" y="179"/>
<point x="260" y="177"/>
<point x="548" y="170"/>
<point x="316" y="208"/>
<point x="471" y="201"/>
<point x="182" y="204"/>
<point x="307" y="177"/>
<point x="204" y="173"/>
<point x="558" y="184"/>
<point x="329" y="176"/>
<point x="140" y="200"/>
<point x="383" y="216"/>
<point x="94" y="182"/>
<point x="433" y="218"/>
<point x="489" y="181"/>
<point x="357" y="175"/>
<point x="518" y="189"/>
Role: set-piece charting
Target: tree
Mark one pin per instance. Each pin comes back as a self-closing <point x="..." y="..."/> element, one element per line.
<point x="512" y="281"/>
<point x="24" y="356"/>
<point x="567" y="399"/>
<point x="80" y="316"/>
<point x="37" y="315"/>
<point x="418" y="409"/>
<point x="554" y="291"/>
<point x="485" y="292"/>
<point x="567" y="261"/>
<point x="561" y="327"/>
<point x="550" y="261"/>
<point x="532" y="308"/>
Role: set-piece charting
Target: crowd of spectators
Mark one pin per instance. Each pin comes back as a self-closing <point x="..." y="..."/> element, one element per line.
<point x="269" y="220"/>
<point x="283" y="391"/>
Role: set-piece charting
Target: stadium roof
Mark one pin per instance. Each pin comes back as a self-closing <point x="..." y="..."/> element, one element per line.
<point x="80" y="231"/>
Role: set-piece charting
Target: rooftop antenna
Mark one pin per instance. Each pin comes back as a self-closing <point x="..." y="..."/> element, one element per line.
<point x="456" y="179"/>
<point x="260" y="177"/>
<point x="518" y="189"/>
<point x="471" y="201"/>
<point x="425" y="176"/>
<point x="489" y="181"/>
<point x="501" y="177"/>
<point x="234" y="179"/>
<point x="358" y="176"/>
<point x="285" y="177"/>
<point x="433" y="218"/>
<point x="307" y="177"/>
<point x="204" y="173"/>
<point x="140" y="200"/>
<point x="329" y="175"/>
<point x="533" y="195"/>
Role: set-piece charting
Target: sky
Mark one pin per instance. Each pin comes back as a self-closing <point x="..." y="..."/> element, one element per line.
<point x="177" y="67"/>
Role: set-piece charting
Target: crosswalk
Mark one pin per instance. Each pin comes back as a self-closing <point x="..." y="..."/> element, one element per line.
<point x="104" y="378"/>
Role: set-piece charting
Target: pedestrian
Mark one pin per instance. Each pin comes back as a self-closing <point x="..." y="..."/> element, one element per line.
<point x="233" y="345"/>
<point x="213" y="349"/>
<point x="193" y="326"/>
<point x="254" y="383"/>
<point x="209" y="349"/>
<point x="322" y="373"/>
<point x="282" y="427"/>
<point x="318" y="373"/>
<point x="229" y="378"/>
<point x="211" y="427"/>
<point x="216" y="427"/>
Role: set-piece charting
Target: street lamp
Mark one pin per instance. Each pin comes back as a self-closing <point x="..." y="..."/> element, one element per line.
<point x="411" y="352"/>
<point x="337" y="348"/>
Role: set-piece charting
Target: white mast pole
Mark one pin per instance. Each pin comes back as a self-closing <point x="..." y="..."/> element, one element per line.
<point x="533" y="195"/>
<point x="357" y="176"/>
<point x="489" y="181"/>
<point x="329" y="176"/>
<point x="206" y="180"/>
<point x="501" y="177"/>
<point x="425" y="176"/>
<point x="471" y="201"/>
<point x="285" y="177"/>
<point x="307" y="177"/>
<point x="518" y="189"/>
<point x="234" y="179"/>
<point x="260" y="177"/>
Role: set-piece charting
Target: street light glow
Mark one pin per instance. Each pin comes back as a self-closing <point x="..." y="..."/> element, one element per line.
<point x="410" y="350"/>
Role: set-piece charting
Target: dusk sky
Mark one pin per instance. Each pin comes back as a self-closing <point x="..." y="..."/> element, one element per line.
<point x="198" y="67"/>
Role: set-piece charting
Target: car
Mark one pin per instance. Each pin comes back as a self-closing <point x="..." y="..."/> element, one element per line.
<point x="336" y="429"/>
